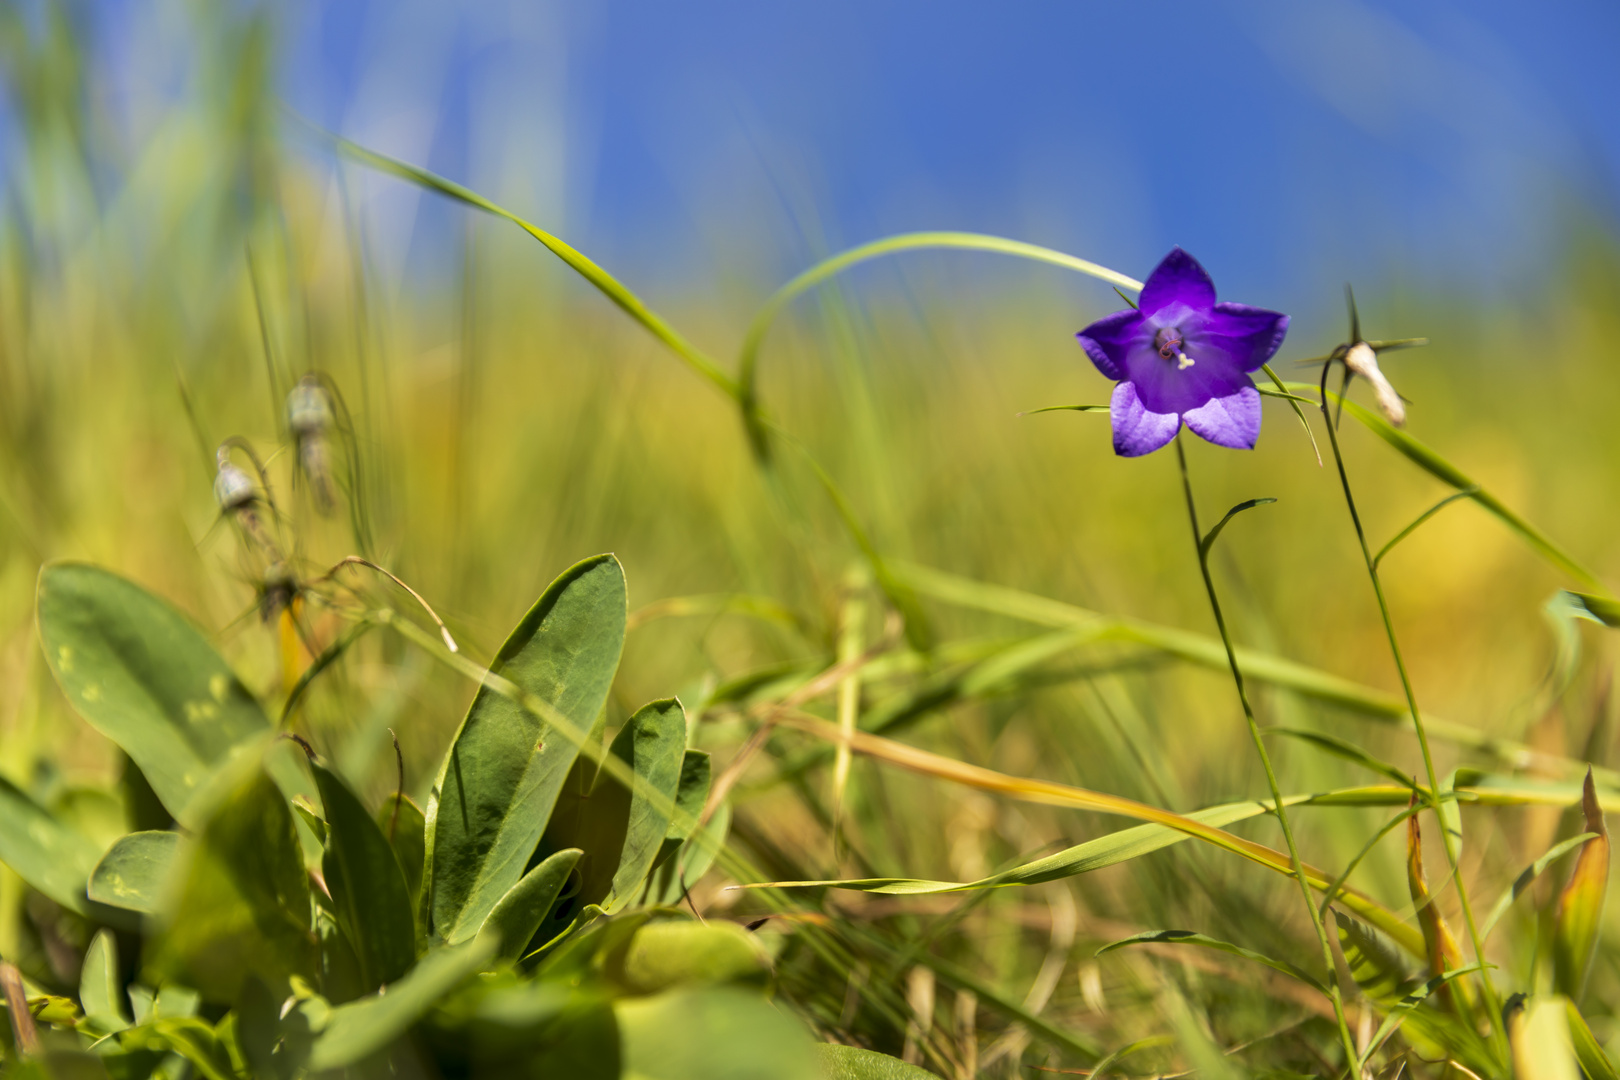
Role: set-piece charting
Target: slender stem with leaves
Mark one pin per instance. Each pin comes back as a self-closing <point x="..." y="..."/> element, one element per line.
<point x="1202" y="546"/>
<point x="1432" y="793"/>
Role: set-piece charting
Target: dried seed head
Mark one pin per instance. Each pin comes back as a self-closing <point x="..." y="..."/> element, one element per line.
<point x="232" y="487"/>
<point x="309" y="408"/>
<point x="1361" y="360"/>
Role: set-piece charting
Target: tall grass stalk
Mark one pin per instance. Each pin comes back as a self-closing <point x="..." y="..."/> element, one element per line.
<point x="1202" y="550"/>
<point x="1432" y="792"/>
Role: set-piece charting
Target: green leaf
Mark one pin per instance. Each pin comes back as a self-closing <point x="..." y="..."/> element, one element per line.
<point x="101" y="992"/>
<point x="839" y="1062"/>
<point x="1589" y="1053"/>
<point x="623" y="830"/>
<point x="135" y="871"/>
<point x="242" y="907"/>
<point x="1599" y="609"/>
<point x="187" y="1036"/>
<point x="1210" y="537"/>
<point x="1189" y="937"/>
<point x="1578" y="920"/>
<point x="515" y="919"/>
<point x="1522" y="882"/>
<point x="368" y="889"/>
<point x="141" y="674"/>
<point x="1402" y="1009"/>
<point x="690" y="796"/>
<point x="717" y="1034"/>
<point x="500" y="780"/>
<point x="1373" y="961"/>
<point x="42" y="851"/>
<point x="1109" y="850"/>
<point x="670" y="953"/>
<point x="401" y="821"/>
<point x="691" y="860"/>
<point x="1294" y="402"/>
<point x="359" y="1029"/>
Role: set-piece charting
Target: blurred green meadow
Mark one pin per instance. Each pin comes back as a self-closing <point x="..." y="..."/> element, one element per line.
<point x="507" y="421"/>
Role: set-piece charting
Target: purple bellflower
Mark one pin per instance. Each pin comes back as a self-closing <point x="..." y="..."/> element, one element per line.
<point x="1183" y="358"/>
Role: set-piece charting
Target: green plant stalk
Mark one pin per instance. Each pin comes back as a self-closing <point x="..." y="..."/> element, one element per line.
<point x="1331" y="982"/>
<point x="1493" y="1005"/>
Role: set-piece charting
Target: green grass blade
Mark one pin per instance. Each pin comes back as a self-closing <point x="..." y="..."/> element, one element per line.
<point x="1189" y="937"/>
<point x="1523" y="881"/>
<point x="748" y="360"/>
<point x="1210" y="537"/>
<point x="606" y="283"/>
<point x="1421" y="518"/>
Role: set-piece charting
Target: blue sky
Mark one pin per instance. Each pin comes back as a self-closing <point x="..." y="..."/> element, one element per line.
<point x="1289" y="145"/>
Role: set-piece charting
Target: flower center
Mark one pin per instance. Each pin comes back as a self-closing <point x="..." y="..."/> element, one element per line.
<point x="1168" y="342"/>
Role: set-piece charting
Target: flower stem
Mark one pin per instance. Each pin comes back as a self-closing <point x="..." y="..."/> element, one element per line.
<point x="1493" y="1005"/>
<point x="1332" y="981"/>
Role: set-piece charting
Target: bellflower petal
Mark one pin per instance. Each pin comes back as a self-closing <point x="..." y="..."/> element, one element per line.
<point x="1136" y="430"/>
<point x="1108" y="339"/>
<point x="1232" y="421"/>
<point x="1183" y="358"/>
<point x="1179" y="279"/>
<point x="1249" y="334"/>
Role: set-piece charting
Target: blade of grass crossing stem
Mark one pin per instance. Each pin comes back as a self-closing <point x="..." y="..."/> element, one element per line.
<point x="1189" y="937"/>
<point x="606" y="283"/>
<point x="1444" y="471"/>
<point x="1419" y="520"/>
<point x="1294" y="401"/>
<point x="1580" y="906"/>
<point x="1347" y="750"/>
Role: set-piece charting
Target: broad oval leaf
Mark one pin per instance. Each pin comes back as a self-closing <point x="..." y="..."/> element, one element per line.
<point x="135" y="871"/>
<point x="140" y="673"/>
<point x="43" y="851"/>
<point x="501" y="778"/>
<point x="242" y="906"/>
<point x="368" y="889"/>
<point x="672" y="953"/>
<point x="721" y="1033"/>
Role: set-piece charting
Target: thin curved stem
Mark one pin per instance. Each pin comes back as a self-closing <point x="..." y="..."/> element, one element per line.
<point x="1331" y="982"/>
<point x="1493" y="1004"/>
